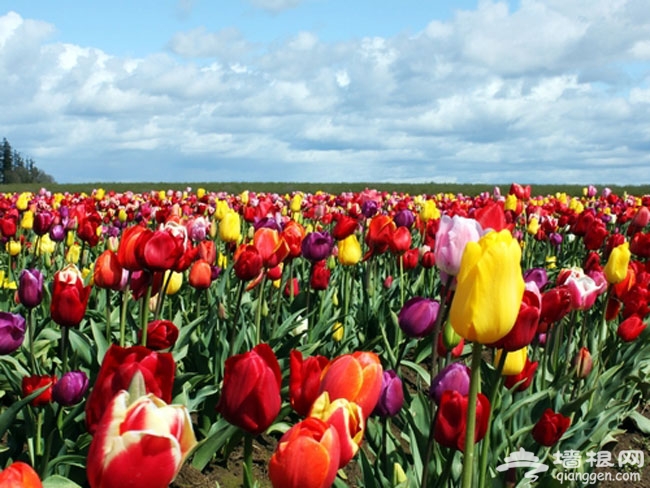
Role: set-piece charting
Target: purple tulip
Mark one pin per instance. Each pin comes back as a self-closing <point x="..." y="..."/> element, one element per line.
<point x="317" y="246"/>
<point x="12" y="332"/>
<point x="454" y="376"/>
<point x="404" y="218"/>
<point x="70" y="389"/>
<point x="57" y="233"/>
<point x="555" y="239"/>
<point x="538" y="276"/>
<point x="43" y="220"/>
<point x="418" y="316"/>
<point x="391" y="398"/>
<point x="30" y="287"/>
<point x="369" y="208"/>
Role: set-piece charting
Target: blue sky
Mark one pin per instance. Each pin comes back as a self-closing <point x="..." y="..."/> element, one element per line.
<point x="552" y="91"/>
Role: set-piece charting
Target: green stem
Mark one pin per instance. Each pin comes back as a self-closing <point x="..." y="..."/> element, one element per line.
<point x="125" y="301"/>
<point x="495" y="390"/>
<point x="401" y="280"/>
<point x="65" y="334"/>
<point x="108" y="315"/>
<point x="441" y="482"/>
<point x="161" y="295"/>
<point x="144" y="319"/>
<point x="32" y="333"/>
<point x="475" y="380"/>
<point x="258" y="313"/>
<point x="248" y="461"/>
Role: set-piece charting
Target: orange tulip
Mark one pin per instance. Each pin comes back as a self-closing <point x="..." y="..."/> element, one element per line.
<point x="20" y="475"/>
<point x="310" y="441"/>
<point x="356" y="377"/>
<point x="200" y="275"/>
<point x="271" y="246"/>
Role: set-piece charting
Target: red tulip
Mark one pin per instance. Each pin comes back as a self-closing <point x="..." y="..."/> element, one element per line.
<point x="525" y="328"/>
<point x="304" y="380"/>
<point x="379" y="235"/>
<point x="630" y="328"/>
<point x="320" y="276"/>
<point x="126" y="252"/>
<point x="30" y="384"/>
<point x="88" y="227"/>
<point x="200" y="275"/>
<point x="640" y="245"/>
<point x="116" y="372"/>
<point x="250" y="396"/>
<point x="160" y="250"/>
<point x="451" y="419"/>
<point x="311" y="441"/>
<point x="69" y="297"/>
<point x="556" y="303"/>
<point x="108" y="271"/>
<point x="345" y="226"/>
<point x="356" y="377"/>
<point x="20" y="475"/>
<point x="410" y="258"/>
<point x="550" y="427"/>
<point x="139" y="442"/>
<point x="523" y="379"/>
<point x="248" y="262"/>
<point x="161" y="334"/>
<point x="400" y="240"/>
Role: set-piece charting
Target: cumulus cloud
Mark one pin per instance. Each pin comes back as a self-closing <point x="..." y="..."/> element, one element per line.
<point x="552" y="91"/>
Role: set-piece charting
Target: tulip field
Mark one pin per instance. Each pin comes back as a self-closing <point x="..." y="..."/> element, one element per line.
<point x="370" y="338"/>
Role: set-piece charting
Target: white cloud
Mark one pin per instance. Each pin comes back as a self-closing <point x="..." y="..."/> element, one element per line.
<point x="488" y="95"/>
<point x="275" y="6"/>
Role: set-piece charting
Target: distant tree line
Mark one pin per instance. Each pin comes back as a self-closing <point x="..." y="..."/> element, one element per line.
<point x="18" y="169"/>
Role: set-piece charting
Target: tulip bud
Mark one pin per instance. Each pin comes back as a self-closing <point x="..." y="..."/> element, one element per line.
<point x="583" y="362"/>
<point x="450" y="338"/>
<point x="391" y="398"/>
<point x="70" y="389"/>
<point x="30" y="287"/>
<point x="417" y="318"/>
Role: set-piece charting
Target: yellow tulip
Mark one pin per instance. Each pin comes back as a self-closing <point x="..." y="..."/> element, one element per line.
<point x="616" y="268"/>
<point x="533" y="226"/>
<point x="69" y="238"/>
<point x="100" y="193"/>
<point x="511" y="202"/>
<point x="221" y="209"/>
<point x="222" y="260"/>
<point x="122" y="215"/>
<point x="27" y="222"/>
<point x="296" y="202"/>
<point x="174" y="283"/>
<point x="515" y="361"/>
<point x="200" y="193"/>
<point x="23" y="201"/>
<point x="349" y="251"/>
<point x="429" y="211"/>
<point x="230" y="227"/>
<point x="489" y="288"/>
<point x="73" y="254"/>
<point x="13" y="248"/>
<point x="46" y="245"/>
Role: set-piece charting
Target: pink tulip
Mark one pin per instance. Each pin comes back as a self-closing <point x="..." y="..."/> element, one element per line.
<point x="452" y="236"/>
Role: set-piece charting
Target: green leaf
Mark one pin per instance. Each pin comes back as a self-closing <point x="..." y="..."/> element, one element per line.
<point x="8" y="416"/>
<point x="57" y="481"/>
<point x="640" y="421"/>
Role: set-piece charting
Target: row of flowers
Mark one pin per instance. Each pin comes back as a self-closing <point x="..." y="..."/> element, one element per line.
<point x="514" y="319"/>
